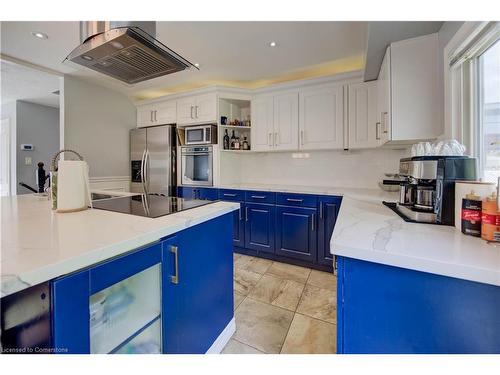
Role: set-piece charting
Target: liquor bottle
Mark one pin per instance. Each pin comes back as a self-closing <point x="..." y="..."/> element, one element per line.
<point x="245" y="145"/>
<point x="226" y="141"/>
<point x="233" y="140"/>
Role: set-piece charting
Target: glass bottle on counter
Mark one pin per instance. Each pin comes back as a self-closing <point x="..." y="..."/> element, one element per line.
<point x="226" y="141"/>
<point x="233" y="140"/>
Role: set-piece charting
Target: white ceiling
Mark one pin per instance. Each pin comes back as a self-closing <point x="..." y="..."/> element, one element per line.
<point x="234" y="53"/>
<point x="18" y="82"/>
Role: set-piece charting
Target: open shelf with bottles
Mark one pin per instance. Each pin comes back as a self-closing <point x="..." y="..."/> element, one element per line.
<point x="235" y="122"/>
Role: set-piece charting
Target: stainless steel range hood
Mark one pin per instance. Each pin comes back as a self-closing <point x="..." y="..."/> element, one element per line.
<point x="127" y="51"/>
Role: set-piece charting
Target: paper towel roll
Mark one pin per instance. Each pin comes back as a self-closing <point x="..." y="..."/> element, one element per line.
<point x="73" y="190"/>
<point x="462" y="188"/>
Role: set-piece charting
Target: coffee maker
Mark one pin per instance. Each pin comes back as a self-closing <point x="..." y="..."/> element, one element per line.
<point x="427" y="193"/>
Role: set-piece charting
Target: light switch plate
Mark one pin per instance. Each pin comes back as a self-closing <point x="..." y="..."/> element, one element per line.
<point x="27" y="160"/>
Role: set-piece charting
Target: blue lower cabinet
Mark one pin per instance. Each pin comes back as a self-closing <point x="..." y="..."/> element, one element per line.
<point x="239" y="227"/>
<point x="188" y="192"/>
<point x="385" y="309"/>
<point x="260" y="227"/>
<point x="104" y="309"/>
<point x="296" y="232"/>
<point x="197" y="286"/>
<point x="328" y="207"/>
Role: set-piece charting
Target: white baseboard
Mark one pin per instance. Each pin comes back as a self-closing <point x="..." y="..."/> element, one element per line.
<point x="116" y="183"/>
<point x="223" y="338"/>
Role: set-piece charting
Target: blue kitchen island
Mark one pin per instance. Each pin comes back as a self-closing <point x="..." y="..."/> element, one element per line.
<point x="131" y="285"/>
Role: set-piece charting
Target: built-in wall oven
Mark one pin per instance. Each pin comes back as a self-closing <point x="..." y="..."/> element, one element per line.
<point x="197" y="165"/>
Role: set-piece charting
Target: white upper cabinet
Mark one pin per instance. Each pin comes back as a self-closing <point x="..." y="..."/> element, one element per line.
<point x="262" y="129"/>
<point x="286" y="121"/>
<point x="157" y="114"/>
<point x="411" y="73"/>
<point x="197" y="109"/>
<point x="384" y="96"/>
<point x="321" y="120"/>
<point x="364" y="128"/>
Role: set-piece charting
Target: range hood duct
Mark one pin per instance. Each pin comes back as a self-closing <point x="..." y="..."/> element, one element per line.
<point x="125" y="50"/>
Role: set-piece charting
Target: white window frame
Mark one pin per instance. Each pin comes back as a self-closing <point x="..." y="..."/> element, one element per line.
<point x="462" y="76"/>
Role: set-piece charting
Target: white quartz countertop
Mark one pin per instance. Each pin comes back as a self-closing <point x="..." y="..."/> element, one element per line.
<point x="39" y="244"/>
<point x="367" y="230"/>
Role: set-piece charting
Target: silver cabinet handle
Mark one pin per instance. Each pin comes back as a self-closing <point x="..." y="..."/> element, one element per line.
<point x="246" y="213"/>
<point x="276" y="139"/>
<point x="196" y="111"/>
<point x="294" y="200"/>
<point x="258" y="196"/>
<point x="377" y="131"/>
<point x="313" y="219"/>
<point x="321" y="210"/>
<point x="384" y="122"/>
<point x="156" y="119"/>
<point x="229" y="195"/>
<point x="302" y="137"/>
<point x="240" y="213"/>
<point x="150" y="116"/>
<point x="270" y="139"/>
<point x="175" y="278"/>
<point x="192" y="112"/>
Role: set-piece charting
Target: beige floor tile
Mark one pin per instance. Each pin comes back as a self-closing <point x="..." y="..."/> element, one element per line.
<point x="318" y="303"/>
<point x="245" y="280"/>
<point x="236" y="347"/>
<point x="242" y="261"/>
<point x="278" y="292"/>
<point x="238" y="298"/>
<point x="289" y="272"/>
<point x="325" y="280"/>
<point x="262" y="326"/>
<point x="236" y="256"/>
<point x="310" y="336"/>
<point x="258" y="265"/>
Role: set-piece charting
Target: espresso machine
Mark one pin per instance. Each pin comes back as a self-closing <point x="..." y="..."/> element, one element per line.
<point x="427" y="193"/>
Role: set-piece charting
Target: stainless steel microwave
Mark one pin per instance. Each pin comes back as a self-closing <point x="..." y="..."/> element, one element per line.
<point x="200" y="135"/>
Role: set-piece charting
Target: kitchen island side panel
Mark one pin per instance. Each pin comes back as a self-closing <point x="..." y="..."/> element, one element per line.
<point x="386" y="309"/>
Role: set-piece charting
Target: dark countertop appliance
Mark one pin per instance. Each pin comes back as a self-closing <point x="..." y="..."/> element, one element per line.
<point x="427" y="194"/>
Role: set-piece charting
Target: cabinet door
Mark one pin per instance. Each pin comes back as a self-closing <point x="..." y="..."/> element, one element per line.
<point x="206" y="108"/>
<point x="239" y="227"/>
<point x="207" y="194"/>
<point x="185" y="110"/>
<point x="364" y="128"/>
<point x="166" y="113"/>
<point x="144" y="116"/>
<point x="262" y="123"/>
<point x="198" y="304"/>
<point x="296" y="229"/>
<point x="384" y="96"/>
<point x="102" y="309"/>
<point x="259" y="227"/>
<point x="321" y="120"/>
<point x="286" y="121"/>
<point x="328" y="211"/>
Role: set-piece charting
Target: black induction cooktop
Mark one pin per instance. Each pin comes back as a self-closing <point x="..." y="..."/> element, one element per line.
<point x="151" y="205"/>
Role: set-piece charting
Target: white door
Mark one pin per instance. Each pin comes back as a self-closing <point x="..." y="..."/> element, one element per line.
<point x="262" y="123"/>
<point x="286" y="121"/>
<point x="166" y="112"/>
<point x="321" y="118"/>
<point x="364" y="128"/>
<point x="144" y="116"/>
<point x="206" y="108"/>
<point x="384" y="97"/>
<point x="5" y="158"/>
<point x="185" y="110"/>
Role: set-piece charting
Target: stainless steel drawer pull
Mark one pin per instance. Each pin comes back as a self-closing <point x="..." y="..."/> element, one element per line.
<point x="294" y="200"/>
<point x="313" y="219"/>
<point x="246" y="213"/>
<point x="258" y="196"/>
<point x="321" y="210"/>
<point x="239" y="212"/>
<point x="229" y="195"/>
<point x="175" y="278"/>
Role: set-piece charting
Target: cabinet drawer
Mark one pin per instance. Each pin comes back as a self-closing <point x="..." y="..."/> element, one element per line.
<point x="260" y="197"/>
<point x="232" y="195"/>
<point x="289" y="199"/>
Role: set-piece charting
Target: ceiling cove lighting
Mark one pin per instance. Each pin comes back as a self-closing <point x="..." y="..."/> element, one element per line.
<point x="39" y="35"/>
<point x="272" y="44"/>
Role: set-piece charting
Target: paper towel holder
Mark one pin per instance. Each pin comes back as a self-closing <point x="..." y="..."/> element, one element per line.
<point x="58" y="154"/>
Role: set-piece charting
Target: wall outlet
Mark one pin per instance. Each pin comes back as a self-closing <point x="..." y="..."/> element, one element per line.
<point x="27" y="160"/>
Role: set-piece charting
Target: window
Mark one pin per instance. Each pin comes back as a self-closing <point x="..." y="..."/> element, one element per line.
<point x="487" y="134"/>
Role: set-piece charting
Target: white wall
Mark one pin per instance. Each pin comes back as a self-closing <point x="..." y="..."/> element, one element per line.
<point x="97" y="122"/>
<point x="8" y="111"/>
<point x="360" y="168"/>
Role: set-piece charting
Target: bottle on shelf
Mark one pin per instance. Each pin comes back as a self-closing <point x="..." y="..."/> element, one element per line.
<point x="226" y="141"/>
<point x="233" y="140"/>
<point x="245" y="145"/>
<point x="237" y="143"/>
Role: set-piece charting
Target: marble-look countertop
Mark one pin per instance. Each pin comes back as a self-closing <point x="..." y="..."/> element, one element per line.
<point x="367" y="230"/>
<point x="39" y="244"/>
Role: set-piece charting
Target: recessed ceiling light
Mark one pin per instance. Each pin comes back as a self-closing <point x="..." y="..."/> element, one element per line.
<point x="39" y="35"/>
<point x="197" y="65"/>
<point x="272" y="44"/>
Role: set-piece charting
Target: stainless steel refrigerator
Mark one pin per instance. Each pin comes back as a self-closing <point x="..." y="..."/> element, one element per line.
<point x="153" y="160"/>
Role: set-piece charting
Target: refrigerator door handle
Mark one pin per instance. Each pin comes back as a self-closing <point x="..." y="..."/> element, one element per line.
<point x="146" y="171"/>
<point x="142" y="169"/>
